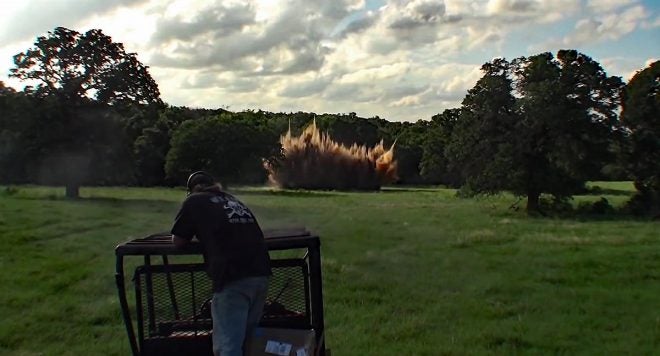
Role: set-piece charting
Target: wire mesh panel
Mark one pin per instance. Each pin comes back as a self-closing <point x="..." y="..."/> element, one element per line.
<point x="288" y="304"/>
<point x="173" y="304"/>
<point x="173" y="299"/>
<point x="173" y="309"/>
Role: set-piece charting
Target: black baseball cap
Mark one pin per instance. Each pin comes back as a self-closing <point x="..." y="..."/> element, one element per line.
<point x="199" y="178"/>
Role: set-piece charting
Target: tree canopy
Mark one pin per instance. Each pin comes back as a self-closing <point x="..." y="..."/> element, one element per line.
<point x="536" y="125"/>
<point x="229" y="148"/>
<point x="434" y="166"/>
<point x="641" y="116"/>
<point x="76" y="67"/>
<point x="481" y="147"/>
<point x="84" y="78"/>
<point x="545" y="124"/>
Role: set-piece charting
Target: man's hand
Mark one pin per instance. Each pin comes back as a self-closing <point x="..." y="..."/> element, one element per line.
<point x="179" y="241"/>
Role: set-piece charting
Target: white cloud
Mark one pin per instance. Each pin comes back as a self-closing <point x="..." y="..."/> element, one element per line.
<point x="458" y="78"/>
<point x="36" y="17"/>
<point x="625" y="67"/>
<point x="294" y="88"/>
<point x="500" y="6"/>
<point x="466" y="7"/>
<point x="649" y="61"/>
<point x="357" y="92"/>
<point x="556" y="10"/>
<point x="508" y="12"/>
<point x="222" y="20"/>
<point x="238" y="36"/>
<point x="649" y="25"/>
<point x="369" y="75"/>
<point x="607" y="27"/>
<point x="601" y="6"/>
<point x="406" y="101"/>
<point x="398" y="60"/>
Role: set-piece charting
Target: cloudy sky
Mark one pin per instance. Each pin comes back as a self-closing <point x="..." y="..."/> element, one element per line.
<point x="400" y="60"/>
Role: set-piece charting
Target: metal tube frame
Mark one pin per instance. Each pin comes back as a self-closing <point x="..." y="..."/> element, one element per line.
<point x="141" y="247"/>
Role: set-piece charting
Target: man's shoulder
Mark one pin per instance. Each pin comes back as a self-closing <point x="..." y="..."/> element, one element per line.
<point x="225" y="197"/>
<point x="199" y="198"/>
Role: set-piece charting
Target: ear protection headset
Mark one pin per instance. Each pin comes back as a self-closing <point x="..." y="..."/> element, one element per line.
<point x="199" y="177"/>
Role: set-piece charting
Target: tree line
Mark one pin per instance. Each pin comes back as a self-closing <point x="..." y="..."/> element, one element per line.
<point x="90" y="114"/>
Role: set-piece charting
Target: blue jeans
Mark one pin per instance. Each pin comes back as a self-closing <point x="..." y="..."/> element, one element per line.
<point x="236" y="312"/>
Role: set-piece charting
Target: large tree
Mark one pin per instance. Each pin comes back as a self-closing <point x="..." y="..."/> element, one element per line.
<point x="230" y="146"/>
<point x="434" y="167"/>
<point x="641" y="116"/>
<point x="14" y="108"/>
<point x="89" y="79"/>
<point x="551" y="130"/>
<point x="152" y="140"/>
<point x="568" y="123"/>
<point x="408" y="150"/>
<point x="481" y="147"/>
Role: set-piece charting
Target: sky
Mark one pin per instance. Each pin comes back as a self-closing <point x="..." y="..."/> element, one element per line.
<point x="399" y="60"/>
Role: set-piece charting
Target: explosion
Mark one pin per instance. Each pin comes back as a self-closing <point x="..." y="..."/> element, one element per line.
<point x="314" y="161"/>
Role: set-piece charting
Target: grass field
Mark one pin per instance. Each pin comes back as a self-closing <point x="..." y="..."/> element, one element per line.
<point x="406" y="271"/>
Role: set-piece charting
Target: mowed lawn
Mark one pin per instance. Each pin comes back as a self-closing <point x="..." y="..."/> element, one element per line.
<point x="406" y="271"/>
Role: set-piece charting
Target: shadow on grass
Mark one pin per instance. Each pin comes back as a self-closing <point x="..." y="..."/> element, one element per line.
<point x="285" y="193"/>
<point x="608" y="191"/>
<point x="325" y="193"/>
<point x="585" y="213"/>
<point x="136" y="202"/>
<point x="609" y="217"/>
<point x="410" y="189"/>
<point x="590" y="216"/>
<point x="132" y="203"/>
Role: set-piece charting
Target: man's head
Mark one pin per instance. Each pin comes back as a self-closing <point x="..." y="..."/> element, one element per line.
<point x="199" y="181"/>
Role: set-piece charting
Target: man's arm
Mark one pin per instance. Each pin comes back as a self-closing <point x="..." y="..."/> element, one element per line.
<point x="183" y="229"/>
<point x="179" y="241"/>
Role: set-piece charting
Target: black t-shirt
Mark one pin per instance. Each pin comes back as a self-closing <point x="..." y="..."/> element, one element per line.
<point x="232" y="240"/>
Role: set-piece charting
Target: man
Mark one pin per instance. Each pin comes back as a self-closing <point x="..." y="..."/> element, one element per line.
<point x="236" y="257"/>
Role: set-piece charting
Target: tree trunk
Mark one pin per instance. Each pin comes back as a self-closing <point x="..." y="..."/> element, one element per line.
<point x="72" y="190"/>
<point x="533" y="203"/>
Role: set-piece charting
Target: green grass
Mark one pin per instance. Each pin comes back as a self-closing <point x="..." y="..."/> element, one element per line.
<point x="406" y="271"/>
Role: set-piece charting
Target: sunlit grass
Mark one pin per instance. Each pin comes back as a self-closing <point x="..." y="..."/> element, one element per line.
<point x="406" y="271"/>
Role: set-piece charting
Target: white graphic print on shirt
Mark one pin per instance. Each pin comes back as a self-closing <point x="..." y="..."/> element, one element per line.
<point x="237" y="212"/>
